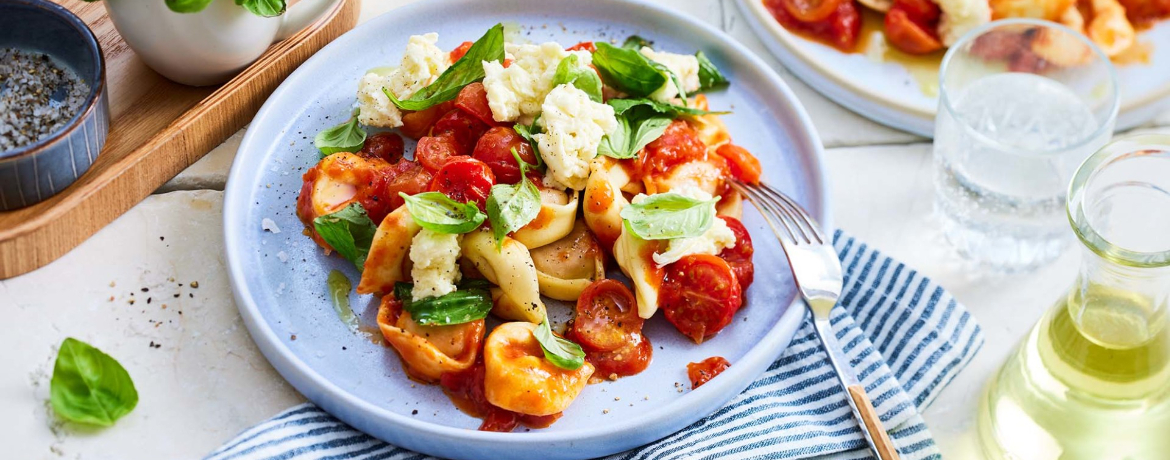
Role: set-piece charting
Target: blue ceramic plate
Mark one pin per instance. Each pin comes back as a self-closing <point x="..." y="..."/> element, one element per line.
<point x="279" y="277"/>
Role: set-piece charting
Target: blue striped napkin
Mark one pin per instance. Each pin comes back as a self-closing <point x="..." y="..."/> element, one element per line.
<point x="905" y="336"/>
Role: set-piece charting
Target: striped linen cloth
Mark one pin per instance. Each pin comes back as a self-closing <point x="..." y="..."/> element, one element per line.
<point x="905" y="336"/>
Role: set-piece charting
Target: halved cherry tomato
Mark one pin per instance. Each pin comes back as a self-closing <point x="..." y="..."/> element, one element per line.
<point x="679" y="144"/>
<point x="432" y="152"/>
<point x="583" y="46"/>
<point x="743" y="165"/>
<point x="495" y="149"/>
<point x="705" y="370"/>
<point x="923" y="12"/>
<point x="699" y="295"/>
<point x="739" y="257"/>
<point x="473" y="100"/>
<point x="460" y="50"/>
<point x="630" y="359"/>
<point x="415" y="125"/>
<point x="840" y="29"/>
<point x="409" y="178"/>
<point x="606" y="316"/>
<point x="908" y="36"/>
<point x="387" y="146"/>
<point x="464" y="129"/>
<point x="465" y="180"/>
<point x="810" y="10"/>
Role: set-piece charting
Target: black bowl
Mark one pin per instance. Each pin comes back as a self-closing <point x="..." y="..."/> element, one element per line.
<point x="34" y="172"/>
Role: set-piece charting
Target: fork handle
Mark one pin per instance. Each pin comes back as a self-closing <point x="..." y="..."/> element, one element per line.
<point x="881" y="441"/>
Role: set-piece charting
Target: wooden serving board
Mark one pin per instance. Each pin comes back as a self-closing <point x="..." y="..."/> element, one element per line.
<point x="157" y="129"/>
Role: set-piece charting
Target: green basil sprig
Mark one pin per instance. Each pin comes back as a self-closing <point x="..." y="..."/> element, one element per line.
<point x="631" y="135"/>
<point x="583" y="78"/>
<point x="472" y="301"/>
<point x="510" y="207"/>
<point x="468" y="69"/>
<point x="264" y="8"/>
<point x="436" y="212"/>
<point x="89" y="386"/>
<point x="349" y="231"/>
<point x="709" y="76"/>
<point x="560" y="352"/>
<point x="627" y="70"/>
<point x="184" y="6"/>
<point x="621" y="106"/>
<point x="346" y="137"/>
<point x="666" y="216"/>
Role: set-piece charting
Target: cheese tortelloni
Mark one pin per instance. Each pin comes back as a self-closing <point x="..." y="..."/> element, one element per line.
<point x="635" y="256"/>
<point x="711" y="129"/>
<point x="428" y="351"/>
<point x="510" y="268"/>
<point x="569" y="265"/>
<point x="518" y="378"/>
<point x="558" y="212"/>
<point x="387" y="261"/>
<point x="604" y="199"/>
<point x="730" y="205"/>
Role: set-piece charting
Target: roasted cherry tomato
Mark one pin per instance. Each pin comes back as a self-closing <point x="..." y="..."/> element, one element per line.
<point x="460" y="50"/>
<point x="583" y="46"/>
<point x="840" y="29"/>
<point x="630" y="359"/>
<point x="433" y="152"/>
<point x="909" y="36"/>
<point x="415" y="125"/>
<point x="473" y="100"/>
<point x="410" y="178"/>
<point x="606" y="316"/>
<point x="742" y="164"/>
<point x="810" y="10"/>
<point x="495" y="149"/>
<point x="387" y="146"/>
<point x="739" y="257"/>
<point x="463" y="128"/>
<point x="705" y="370"/>
<point x="699" y="295"/>
<point x="465" y="180"/>
<point x="679" y="144"/>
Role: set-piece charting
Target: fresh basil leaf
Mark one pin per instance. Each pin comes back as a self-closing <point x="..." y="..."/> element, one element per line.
<point x="648" y="131"/>
<point x="634" y="42"/>
<point x="264" y="8"/>
<point x="346" y="137"/>
<point x="468" y="69"/>
<point x="89" y="386"/>
<point x="709" y="76"/>
<point x="436" y="212"/>
<point x="510" y="207"/>
<point x="560" y="352"/>
<point x="621" y="106"/>
<point x="617" y="143"/>
<point x="469" y="303"/>
<point x="349" y="231"/>
<point x="185" y="6"/>
<point x="528" y="132"/>
<point x="583" y="78"/>
<point x="627" y="70"/>
<point x="666" y="216"/>
<point x="632" y="134"/>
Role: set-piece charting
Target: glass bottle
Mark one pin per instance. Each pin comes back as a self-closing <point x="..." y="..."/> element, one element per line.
<point x="1092" y="378"/>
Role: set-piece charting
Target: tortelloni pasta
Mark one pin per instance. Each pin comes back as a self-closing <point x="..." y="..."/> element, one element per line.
<point x="604" y="199"/>
<point x="387" y="261"/>
<point x="511" y="268"/>
<point x="558" y="212"/>
<point x="569" y="265"/>
<point x="429" y="351"/>
<point x="518" y="378"/>
<point x="635" y="256"/>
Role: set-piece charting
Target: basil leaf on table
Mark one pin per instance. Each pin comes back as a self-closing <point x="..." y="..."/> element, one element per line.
<point x="511" y="206"/>
<point x="472" y="301"/>
<point x="346" y="137"/>
<point x="635" y="42"/>
<point x="468" y="69"/>
<point x="560" y="352"/>
<point x="184" y="6"/>
<point x="621" y="106"/>
<point x="583" y="78"/>
<point x="666" y="216"/>
<point x="436" y="212"/>
<point x="709" y="76"/>
<point x="627" y="70"/>
<point x="349" y="231"/>
<point x="89" y="386"/>
<point x="264" y="8"/>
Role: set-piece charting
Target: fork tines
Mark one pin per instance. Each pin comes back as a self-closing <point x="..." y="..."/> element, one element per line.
<point x="799" y="227"/>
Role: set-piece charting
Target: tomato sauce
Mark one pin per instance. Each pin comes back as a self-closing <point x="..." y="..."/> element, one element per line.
<point x="705" y="370"/>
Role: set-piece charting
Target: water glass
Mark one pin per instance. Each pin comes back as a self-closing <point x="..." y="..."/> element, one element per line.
<point x="1022" y="103"/>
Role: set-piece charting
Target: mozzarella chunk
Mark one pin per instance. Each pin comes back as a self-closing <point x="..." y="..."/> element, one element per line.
<point x="573" y="128"/>
<point x="422" y="63"/>
<point x="685" y="66"/>
<point x="516" y="92"/>
<point x="435" y="256"/>
<point x="960" y="16"/>
<point x="712" y="242"/>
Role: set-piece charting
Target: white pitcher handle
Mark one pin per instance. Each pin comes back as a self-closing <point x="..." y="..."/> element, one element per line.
<point x="300" y="14"/>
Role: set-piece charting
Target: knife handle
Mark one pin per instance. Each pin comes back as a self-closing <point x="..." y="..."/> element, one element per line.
<point x="881" y="440"/>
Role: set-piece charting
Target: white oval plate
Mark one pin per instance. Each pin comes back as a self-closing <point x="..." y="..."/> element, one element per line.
<point x="887" y="93"/>
<point x="279" y="278"/>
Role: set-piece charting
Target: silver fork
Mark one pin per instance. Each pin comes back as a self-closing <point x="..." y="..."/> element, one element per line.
<point x="818" y="277"/>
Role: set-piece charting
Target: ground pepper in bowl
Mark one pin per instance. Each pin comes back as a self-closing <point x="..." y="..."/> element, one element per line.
<point x="37" y="97"/>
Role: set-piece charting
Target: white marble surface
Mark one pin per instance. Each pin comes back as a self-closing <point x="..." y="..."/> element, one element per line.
<point x="201" y="379"/>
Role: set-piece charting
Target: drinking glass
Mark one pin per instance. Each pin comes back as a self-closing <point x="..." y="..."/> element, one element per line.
<point x="1092" y="379"/>
<point x="1021" y="103"/>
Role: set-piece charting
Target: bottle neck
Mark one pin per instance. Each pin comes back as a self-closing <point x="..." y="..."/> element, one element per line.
<point x="1119" y="305"/>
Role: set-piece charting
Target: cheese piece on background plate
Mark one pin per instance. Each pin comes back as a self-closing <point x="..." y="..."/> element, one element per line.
<point x="436" y="270"/>
<point x="516" y="92"/>
<point x="573" y="128"/>
<point x="422" y="62"/>
<point x="685" y="66"/>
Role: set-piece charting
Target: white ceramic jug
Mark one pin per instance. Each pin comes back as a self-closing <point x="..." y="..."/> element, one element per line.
<point x="208" y="47"/>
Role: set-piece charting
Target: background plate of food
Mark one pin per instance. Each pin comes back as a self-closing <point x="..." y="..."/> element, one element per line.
<point x="880" y="58"/>
<point x="617" y="164"/>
